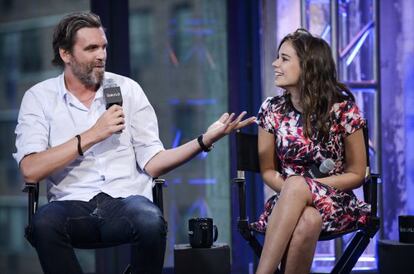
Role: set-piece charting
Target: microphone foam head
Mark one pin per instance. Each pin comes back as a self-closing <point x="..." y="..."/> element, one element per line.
<point x="108" y="83"/>
<point x="327" y="166"/>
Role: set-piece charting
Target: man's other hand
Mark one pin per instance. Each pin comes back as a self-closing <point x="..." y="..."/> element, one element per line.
<point x="225" y="125"/>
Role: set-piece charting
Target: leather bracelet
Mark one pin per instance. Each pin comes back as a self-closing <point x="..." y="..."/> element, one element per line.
<point x="202" y="145"/>
<point x="79" y="145"/>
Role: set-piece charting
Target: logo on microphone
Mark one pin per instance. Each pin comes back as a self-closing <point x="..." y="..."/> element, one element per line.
<point x="112" y="93"/>
<point x="109" y="95"/>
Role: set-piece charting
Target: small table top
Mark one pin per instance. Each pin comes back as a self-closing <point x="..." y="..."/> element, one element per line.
<point x="188" y="246"/>
<point x="392" y="242"/>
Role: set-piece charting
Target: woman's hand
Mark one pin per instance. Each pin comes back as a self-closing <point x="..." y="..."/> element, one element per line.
<point x="225" y="125"/>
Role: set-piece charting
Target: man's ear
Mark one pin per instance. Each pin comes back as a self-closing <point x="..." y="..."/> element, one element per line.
<point x="65" y="55"/>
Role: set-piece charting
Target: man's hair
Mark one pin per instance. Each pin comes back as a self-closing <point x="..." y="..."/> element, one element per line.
<point x="64" y="35"/>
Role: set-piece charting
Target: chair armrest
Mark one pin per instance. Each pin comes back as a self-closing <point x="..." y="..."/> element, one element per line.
<point x="371" y="192"/>
<point x="157" y="193"/>
<point x="32" y="190"/>
<point x="241" y="186"/>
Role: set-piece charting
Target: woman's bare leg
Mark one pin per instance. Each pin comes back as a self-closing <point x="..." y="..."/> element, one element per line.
<point x="294" y="197"/>
<point x="300" y="251"/>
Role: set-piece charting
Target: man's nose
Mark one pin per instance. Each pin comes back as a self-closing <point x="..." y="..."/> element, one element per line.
<point x="101" y="54"/>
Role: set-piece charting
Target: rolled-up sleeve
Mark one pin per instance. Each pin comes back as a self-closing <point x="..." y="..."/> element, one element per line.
<point x="32" y="128"/>
<point x="144" y="128"/>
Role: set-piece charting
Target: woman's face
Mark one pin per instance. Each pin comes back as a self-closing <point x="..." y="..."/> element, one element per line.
<point x="287" y="67"/>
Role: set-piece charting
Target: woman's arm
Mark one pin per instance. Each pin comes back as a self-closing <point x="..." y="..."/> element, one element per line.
<point x="268" y="160"/>
<point x="355" y="160"/>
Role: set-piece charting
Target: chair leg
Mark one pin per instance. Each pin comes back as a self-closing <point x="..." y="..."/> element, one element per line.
<point x="352" y="253"/>
<point x="247" y="234"/>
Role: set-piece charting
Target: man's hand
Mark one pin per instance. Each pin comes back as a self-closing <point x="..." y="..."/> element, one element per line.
<point x="225" y="125"/>
<point x="169" y="159"/>
<point x="111" y="121"/>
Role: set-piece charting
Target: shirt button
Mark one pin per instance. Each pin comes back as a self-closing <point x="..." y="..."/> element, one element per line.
<point x="103" y="177"/>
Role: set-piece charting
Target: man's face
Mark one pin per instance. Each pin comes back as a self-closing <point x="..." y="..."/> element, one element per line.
<point x="88" y="57"/>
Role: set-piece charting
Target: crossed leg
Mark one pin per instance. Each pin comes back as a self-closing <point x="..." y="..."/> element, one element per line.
<point x="300" y="251"/>
<point x="288" y="226"/>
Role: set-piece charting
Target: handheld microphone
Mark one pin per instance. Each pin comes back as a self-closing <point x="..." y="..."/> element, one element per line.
<point x="323" y="170"/>
<point x="112" y="94"/>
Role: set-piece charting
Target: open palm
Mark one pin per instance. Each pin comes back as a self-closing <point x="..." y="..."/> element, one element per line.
<point x="226" y="124"/>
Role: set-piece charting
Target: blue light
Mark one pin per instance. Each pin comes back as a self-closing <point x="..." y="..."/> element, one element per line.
<point x="177" y="139"/>
<point x="174" y="101"/>
<point x="176" y="181"/>
<point x="201" y="102"/>
<point x="203" y="155"/>
<point x="202" y="181"/>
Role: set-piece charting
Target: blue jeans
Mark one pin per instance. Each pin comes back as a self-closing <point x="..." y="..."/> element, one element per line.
<point x="103" y="221"/>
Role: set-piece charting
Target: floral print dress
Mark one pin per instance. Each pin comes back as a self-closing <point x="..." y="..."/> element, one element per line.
<point x="340" y="210"/>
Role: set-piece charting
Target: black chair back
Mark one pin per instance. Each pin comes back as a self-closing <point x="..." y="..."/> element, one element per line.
<point x="247" y="152"/>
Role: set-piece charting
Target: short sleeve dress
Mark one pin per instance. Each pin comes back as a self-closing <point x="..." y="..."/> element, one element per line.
<point x="340" y="210"/>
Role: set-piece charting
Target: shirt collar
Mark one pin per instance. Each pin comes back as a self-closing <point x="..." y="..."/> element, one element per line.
<point x="64" y="92"/>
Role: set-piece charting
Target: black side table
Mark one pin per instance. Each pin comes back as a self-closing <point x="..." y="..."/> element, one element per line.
<point x="214" y="260"/>
<point x="395" y="257"/>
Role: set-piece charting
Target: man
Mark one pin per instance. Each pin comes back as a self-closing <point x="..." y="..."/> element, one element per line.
<point x="98" y="163"/>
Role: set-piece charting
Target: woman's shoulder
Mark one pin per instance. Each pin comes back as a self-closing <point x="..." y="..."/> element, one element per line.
<point x="274" y="102"/>
<point x="270" y="113"/>
<point x="348" y="115"/>
<point x="344" y="106"/>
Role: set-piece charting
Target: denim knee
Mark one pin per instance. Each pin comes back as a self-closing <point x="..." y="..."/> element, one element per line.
<point x="46" y="224"/>
<point x="148" y="223"/>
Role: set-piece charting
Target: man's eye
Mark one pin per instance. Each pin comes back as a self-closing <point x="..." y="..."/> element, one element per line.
<point x="92" y="48"/>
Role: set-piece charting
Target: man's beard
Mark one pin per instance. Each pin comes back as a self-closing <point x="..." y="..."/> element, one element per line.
<point x="86" y="74"/>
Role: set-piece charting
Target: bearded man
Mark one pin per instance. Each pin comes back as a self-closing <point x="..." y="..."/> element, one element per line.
<point x="98" y="163"/>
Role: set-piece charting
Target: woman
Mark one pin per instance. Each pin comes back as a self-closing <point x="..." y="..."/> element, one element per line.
<point x="315" y="119"/>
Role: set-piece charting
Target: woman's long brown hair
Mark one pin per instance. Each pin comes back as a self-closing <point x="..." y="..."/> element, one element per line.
<point x="318" y="84"/>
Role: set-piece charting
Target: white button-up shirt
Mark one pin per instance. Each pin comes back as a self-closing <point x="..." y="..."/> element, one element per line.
<point x="50" y="115"/>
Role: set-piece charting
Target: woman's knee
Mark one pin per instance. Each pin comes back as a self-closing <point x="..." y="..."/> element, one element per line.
<point x="295" y="184"/>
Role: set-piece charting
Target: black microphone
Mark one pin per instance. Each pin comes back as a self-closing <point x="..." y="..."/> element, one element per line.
<point x="323" y="170"/>
<point x="112" y="94"/>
